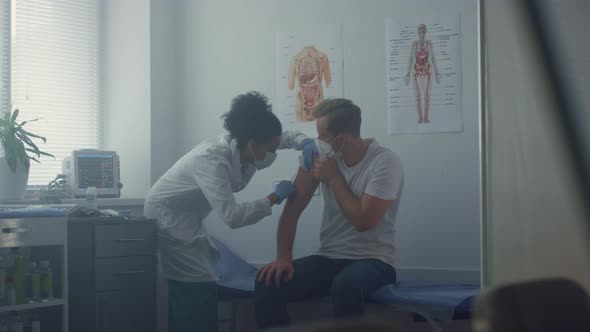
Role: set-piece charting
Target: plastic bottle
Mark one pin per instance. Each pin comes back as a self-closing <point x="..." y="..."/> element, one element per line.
<point x="33" y="283"/>
<point x="19" y="280"/>
<point x="46" y="281"/>
<point x="18" y="274"/>
<point x="10" y="291"/>
<point x="91" y="198"/>
<point x="28" y="282"/>
<point x="10" y="259"/>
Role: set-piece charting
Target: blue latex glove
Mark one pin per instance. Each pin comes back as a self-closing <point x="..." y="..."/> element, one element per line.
<point x="309" y="149"/>
<point x="284" y="189"/>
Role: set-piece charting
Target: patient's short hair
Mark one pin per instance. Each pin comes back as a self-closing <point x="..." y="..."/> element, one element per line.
<point x="343" y="116"/>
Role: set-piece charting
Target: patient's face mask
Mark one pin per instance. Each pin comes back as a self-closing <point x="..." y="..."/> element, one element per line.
<point x="326" y="150"/>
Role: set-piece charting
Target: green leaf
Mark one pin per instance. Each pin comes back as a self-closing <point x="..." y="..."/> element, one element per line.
<point x="32" y="135"/>
<point x="37" y="152"/>
<point x="34" y="149"/>
<point x="18" y="142"/>
<point x="14" y="116"/>
<point x="20" y="149"/>
<point x="25" y="122"/>
<point x="7" y="117"/>
<point x="27" y="141"/>
<point x="23" y="156"/>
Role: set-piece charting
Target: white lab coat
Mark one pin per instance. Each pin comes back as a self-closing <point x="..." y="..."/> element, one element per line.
<point x="204" y="179"/>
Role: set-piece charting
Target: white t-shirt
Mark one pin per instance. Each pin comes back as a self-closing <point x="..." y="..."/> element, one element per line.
<point x="378" y="174"/>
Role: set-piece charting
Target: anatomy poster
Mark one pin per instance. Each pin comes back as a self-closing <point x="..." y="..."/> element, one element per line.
<point x="309" y="70"/>
<point x="424" y="75"/>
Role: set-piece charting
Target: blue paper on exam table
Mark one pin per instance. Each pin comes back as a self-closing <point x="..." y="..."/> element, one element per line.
<point x="33" y="212"/>
<point x="440" y="301"/>
<point x="448" y="301"/>
<point x="233" y="272"/>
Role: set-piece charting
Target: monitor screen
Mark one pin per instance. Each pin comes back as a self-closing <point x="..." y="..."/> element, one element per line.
<point x="96" y="170"/>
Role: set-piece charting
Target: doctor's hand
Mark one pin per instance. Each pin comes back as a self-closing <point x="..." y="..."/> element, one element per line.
<point x="283" y="190"/>
<point x="309" y="150"/>
<point x="325" y="170"/>
<point x="280" y="269"/>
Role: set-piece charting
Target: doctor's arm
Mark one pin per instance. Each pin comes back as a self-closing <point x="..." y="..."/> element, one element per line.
<point x="214" y="180"/>
<point x="305" y="186"/>
<point x="292" y="139"/>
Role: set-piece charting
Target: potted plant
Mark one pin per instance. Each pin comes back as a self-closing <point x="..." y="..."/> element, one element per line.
<point x="19" y="150"/>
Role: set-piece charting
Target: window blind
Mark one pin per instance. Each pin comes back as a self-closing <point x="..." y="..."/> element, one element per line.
<point x="55" y="77"/>
<point x="4" y="59"/>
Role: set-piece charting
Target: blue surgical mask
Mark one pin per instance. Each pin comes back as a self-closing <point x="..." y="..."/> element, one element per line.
<point x="267" y="161"/>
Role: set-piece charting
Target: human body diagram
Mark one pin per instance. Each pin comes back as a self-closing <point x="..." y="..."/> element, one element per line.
<point x="309" y="68"/>
<point x="422" y="61"/>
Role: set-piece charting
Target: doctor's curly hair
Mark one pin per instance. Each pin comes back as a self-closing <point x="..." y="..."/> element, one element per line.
<point x="251" y="117"/>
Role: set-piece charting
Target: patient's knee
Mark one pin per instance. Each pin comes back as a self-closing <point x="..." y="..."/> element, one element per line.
<point x="345" y="286"/>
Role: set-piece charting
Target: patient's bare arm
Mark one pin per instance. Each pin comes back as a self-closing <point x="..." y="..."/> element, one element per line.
<point x="305" y="186"/>
<point x="282" y="267"/>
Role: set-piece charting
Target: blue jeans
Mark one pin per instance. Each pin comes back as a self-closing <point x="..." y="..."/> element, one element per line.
<point x="349" y="282"/>
<point x="192" y="306"/>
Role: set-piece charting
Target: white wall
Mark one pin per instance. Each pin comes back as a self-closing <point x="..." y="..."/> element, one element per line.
<point x="227" y="48"/>
<point x="165" y="75"/>
<point x="165" y="79"/>
<point x="125" y="70"/>
<point x="535" y="227"/>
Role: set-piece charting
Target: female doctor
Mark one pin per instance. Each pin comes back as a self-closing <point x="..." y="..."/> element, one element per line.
<point x="205" y="180"/>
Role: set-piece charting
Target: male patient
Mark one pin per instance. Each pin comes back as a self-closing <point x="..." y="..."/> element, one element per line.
<point x="362" y="183"/>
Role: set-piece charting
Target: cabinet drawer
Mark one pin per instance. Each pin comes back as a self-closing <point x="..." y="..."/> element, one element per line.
<point x="126" y="311"/>
<point x="114" y="240"/>
<point x="32" y="232"/>
<point x="126" y="273"/>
